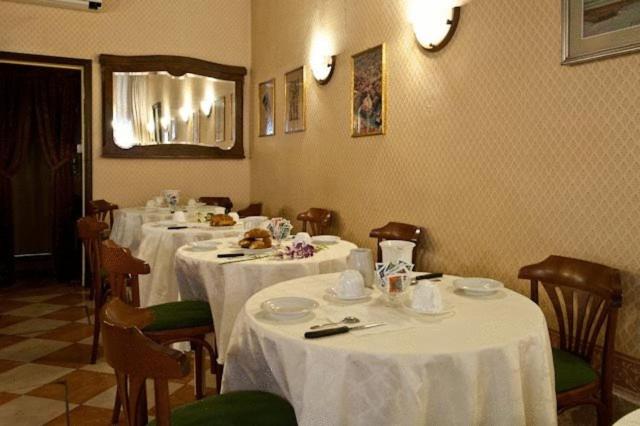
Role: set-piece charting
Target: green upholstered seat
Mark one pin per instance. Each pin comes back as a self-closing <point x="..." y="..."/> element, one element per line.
<point x="571" y="371"/>
<point x="249" y="408"/>
<point x="185" y="314"/>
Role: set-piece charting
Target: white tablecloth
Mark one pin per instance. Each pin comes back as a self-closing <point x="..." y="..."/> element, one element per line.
<point x="488" y="364"/>
<point x="631" y="419"/>
<point x="158" y="248"/>
<point x="127" y="223"/>
<point x="227" y="287"/>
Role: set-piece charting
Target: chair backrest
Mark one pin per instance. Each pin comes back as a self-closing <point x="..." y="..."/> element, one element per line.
<point x="584" y="295"/>
<point x="102" y="210"/>
<point x="122" y="270"/>
<point x="318" y="220"/>
<point x="90" y="232"/>
<point x="135" y="358"/>
<point x="397" y="231"/>
<point x="254" y="209"/>
<point x="218" y="201"/>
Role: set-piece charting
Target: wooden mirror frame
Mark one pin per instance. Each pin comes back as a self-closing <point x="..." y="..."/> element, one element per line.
<point x="176" y="66"/>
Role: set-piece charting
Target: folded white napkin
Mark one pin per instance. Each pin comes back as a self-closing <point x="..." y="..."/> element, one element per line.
<point x="427" y="298"/>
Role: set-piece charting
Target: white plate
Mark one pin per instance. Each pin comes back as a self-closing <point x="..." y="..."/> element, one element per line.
<point x="325" y="239"/>
<point x="257" y="251"/>
<point x="446" y="309"/>
<point x="478" y="286"/>
<point x="204" y="245"/>
<point x="332" y="293"/>
<point x="289" y="307"/>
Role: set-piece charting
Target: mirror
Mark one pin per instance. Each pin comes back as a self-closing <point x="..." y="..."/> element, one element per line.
<point x="171" y="107"/>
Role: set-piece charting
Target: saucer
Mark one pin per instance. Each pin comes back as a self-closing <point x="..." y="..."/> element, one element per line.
<point x="325" y="239"/>
<point x="333" y="294"/>
<point x="286" y="308"/>
<point x="477" y="286"/>
<point x="446" y="309"/>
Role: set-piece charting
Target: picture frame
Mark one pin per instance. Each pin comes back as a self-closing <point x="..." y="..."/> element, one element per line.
<point x="368" y="92"/>
<point x="220" y="122"/>
<point x="294" y="114"/>
<point x="267" y="108"/>
<point x="597" y="29"/>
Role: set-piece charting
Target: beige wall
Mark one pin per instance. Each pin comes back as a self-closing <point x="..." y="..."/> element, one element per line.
<point x="503" y="155"/>
<point x="214" y="30"/>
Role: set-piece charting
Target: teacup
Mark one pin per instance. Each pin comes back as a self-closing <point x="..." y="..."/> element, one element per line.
<point x="302" y="237"/>
<point x="427" y="298"/>
<point x="350" y="285"/>
<point x="234" y="216"/>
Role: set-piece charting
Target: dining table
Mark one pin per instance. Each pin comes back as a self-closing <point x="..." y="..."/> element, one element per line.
<point x="159" y="243"/>
<point x="487" y="361"/>
<point x="227" y="283"/>
<point x="126" y="229"/>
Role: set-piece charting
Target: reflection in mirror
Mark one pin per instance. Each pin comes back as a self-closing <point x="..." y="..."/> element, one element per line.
<point x="157" y="108"/>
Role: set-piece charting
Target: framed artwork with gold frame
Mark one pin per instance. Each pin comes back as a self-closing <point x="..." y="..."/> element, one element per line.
<point x="294" y="101"/>
<point x="368" y="92"/>
<point x="267" y="107"/>
<point x="596" y="29"/>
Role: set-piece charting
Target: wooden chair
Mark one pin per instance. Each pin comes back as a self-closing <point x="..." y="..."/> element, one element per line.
<point x="397" y="231"/>
<point x="101" y="210"/>
<point x="584" y="296"/>
<point x="90" y="231"/>
<point x="135" y="357"/>
<point x="218" y="201"/>
<point x="317" y="219"/>
<point x="167" y="323"/>
<point x="252" y="210"/>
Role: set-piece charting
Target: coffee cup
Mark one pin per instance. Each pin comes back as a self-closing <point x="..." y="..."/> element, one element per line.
<point x="350" y="285"/>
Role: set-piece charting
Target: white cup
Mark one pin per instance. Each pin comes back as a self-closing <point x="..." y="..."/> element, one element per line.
<point x="179" y="216"/>
<point x="234" y="216"/>
<point x="427" y="298"/>
<point x="350" y="285"/>
<point x="252" y="222"/>
<point x="396" y="250"/>
<point x="361" y="259"/>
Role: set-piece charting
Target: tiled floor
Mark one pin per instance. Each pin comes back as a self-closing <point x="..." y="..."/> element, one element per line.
<point x="45" y="346"/>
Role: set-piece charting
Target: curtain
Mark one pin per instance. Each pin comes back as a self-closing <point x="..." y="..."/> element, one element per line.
<point x="57" y="113"/>
<point x="15" y="125"/>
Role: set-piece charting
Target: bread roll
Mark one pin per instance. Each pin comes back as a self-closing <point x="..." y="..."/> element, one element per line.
<point x="256" y="233"/>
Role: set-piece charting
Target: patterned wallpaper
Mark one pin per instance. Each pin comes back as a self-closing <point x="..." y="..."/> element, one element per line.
<point x="503" y="155"/>
<point x="215" y="30"/>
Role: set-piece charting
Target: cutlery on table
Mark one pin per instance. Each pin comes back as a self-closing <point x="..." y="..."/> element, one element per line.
<point x="177" y="227"/>
<point x="415" y="280"/>
<point x="223" y="255"/>
<point x="339" y="330"/>
<point x="346" y="320"/>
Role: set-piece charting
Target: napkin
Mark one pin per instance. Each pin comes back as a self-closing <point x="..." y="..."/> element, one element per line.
<point x="427" y="298"/>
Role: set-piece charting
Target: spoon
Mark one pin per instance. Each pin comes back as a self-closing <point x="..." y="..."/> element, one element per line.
<point x="346" y="320"/>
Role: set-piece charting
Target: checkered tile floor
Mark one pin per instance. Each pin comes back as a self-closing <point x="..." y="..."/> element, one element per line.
<point x="45" y="346"/>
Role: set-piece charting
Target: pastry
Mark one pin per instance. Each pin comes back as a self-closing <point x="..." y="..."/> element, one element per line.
<point x="222" y="220"/>
<point x="256" y="233"/>
<point x="256" y="238"/>
<point x="245" y="243"/>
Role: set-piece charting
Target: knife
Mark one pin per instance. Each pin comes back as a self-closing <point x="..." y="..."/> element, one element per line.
<point x="415" y="280"/>
<point x="338" y="330"/>
<point x="223" y="255"/>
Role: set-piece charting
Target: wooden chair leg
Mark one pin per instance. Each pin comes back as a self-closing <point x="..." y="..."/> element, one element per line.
<point x="98" y="301"/>
<point x="115" y="416"/>
<point x="199" y="371"/>
<point x="604" y="414"/>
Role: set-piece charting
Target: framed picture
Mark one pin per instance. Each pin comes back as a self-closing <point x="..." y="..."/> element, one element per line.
<point x="595" y="29"/>
<point x="368" y="93"/>
<point x="266" y="102"/>
<point x="219" y="120"/>
<point x="232" y="116"/>
<point x="294" y="101"/>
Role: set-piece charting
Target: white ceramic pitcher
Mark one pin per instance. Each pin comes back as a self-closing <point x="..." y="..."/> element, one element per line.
<point x="361" y="260"/>
<point x="396" y="250"/>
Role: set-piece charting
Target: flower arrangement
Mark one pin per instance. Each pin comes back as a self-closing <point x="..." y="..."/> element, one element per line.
<point x="299" y="250"/>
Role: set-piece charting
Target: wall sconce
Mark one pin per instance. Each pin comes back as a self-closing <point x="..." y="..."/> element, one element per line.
<point x="435" y="23"/>
<point x="322" y="68"/>
<point x="206" y="106"/>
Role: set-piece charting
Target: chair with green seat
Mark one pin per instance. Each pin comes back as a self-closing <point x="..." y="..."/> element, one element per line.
<point x="135" y="358"/>
<point x="167" y="323"/>
<point x="585" y="297"/>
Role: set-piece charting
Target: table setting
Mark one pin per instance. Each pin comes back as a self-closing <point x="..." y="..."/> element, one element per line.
<point x="228" y="274"/>
<point x="404" y="348"/>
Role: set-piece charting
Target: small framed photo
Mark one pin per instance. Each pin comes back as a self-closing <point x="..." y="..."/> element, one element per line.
<point x="596" y="29"/>
<point x="368" y="93"/>
<point x="220" y="118"/>
<point x="294" y="101"/>
<point x="266" y="105"/>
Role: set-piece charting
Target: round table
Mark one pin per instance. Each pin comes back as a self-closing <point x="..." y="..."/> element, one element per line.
<point x="631" y="419"/>
<point x="489" y="363"/>
<point x="126" y="230"/>
<point x="158" y="248"/>
<point x="227" y="286"/>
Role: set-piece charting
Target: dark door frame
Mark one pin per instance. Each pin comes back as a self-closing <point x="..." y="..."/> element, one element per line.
<point x="87" y="108"/>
